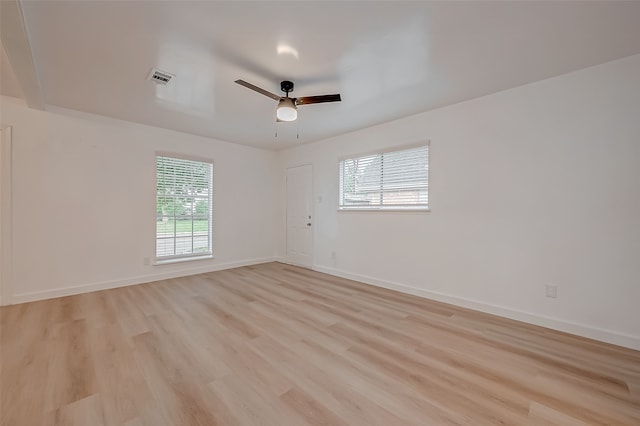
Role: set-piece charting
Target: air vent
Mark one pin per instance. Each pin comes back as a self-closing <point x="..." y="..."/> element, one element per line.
<point x="160" y="77"/>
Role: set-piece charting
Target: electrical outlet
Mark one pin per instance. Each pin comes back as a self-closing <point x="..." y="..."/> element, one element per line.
<point x="551" y="291"/>
<point x="333" y="254"/>
<point x="145" y="261"/>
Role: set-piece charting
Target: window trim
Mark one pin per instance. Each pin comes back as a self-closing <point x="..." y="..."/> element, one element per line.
<point x="391" y="209"/>
<point x="167" y="260"/>
<point x="174" y="260"/>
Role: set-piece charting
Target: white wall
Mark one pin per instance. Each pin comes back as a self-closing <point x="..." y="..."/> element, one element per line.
<point x="535" y="185"/>
<point x="84" y="201"/>
<point x="538" y="184"/>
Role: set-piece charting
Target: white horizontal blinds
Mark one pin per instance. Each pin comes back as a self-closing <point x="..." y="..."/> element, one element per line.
<point x="390" y="180"/>
<point x="183" y="208"/>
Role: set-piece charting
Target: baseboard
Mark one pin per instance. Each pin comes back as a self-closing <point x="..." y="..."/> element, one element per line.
<point x="608" y="336"/>
<point x="625" y="340"/>
<point x="106" y="285"/>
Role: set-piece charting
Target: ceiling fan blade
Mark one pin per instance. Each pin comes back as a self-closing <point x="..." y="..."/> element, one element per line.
<point x="305" y="100"/>
<point x="258" y="89"/>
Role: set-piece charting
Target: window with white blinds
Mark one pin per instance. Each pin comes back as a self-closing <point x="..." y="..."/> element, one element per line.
<point x="395" y="180"/>
<point x="184" y="201"/>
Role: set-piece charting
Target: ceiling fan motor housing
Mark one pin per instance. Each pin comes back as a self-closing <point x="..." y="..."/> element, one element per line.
<point x="286" y="86"/>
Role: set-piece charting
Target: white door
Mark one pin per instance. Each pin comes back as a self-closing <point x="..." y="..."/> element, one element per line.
<point x="300" y="215"/>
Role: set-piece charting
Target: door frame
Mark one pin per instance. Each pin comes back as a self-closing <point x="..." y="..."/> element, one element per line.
<point x="286" y="220"/>
<point x="5" y="217"/>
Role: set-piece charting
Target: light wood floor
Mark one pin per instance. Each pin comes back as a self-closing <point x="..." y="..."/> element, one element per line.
<point x="278" y="345"/>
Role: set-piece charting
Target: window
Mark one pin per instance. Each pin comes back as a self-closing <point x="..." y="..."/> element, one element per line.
<point x="184" y="195"/>
<point x="396" y="180"/>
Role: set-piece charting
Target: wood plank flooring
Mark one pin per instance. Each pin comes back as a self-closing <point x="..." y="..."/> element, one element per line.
<point x="278" y="345"/>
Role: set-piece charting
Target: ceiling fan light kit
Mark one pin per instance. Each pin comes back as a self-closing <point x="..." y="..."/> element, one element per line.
<point x="287" y="109"/>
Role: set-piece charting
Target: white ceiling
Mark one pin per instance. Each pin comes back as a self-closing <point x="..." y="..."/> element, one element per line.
<point x="387" y="59"/>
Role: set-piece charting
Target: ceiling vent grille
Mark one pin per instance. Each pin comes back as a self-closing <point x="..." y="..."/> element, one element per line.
<point x="160" y="77"/>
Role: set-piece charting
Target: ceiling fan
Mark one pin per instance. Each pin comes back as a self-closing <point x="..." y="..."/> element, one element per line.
<point x="288" y="107"/>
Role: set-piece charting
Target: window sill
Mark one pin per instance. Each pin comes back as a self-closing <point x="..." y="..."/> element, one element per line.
<point x="182" y="260"/>
<point x="415" y="211"/>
